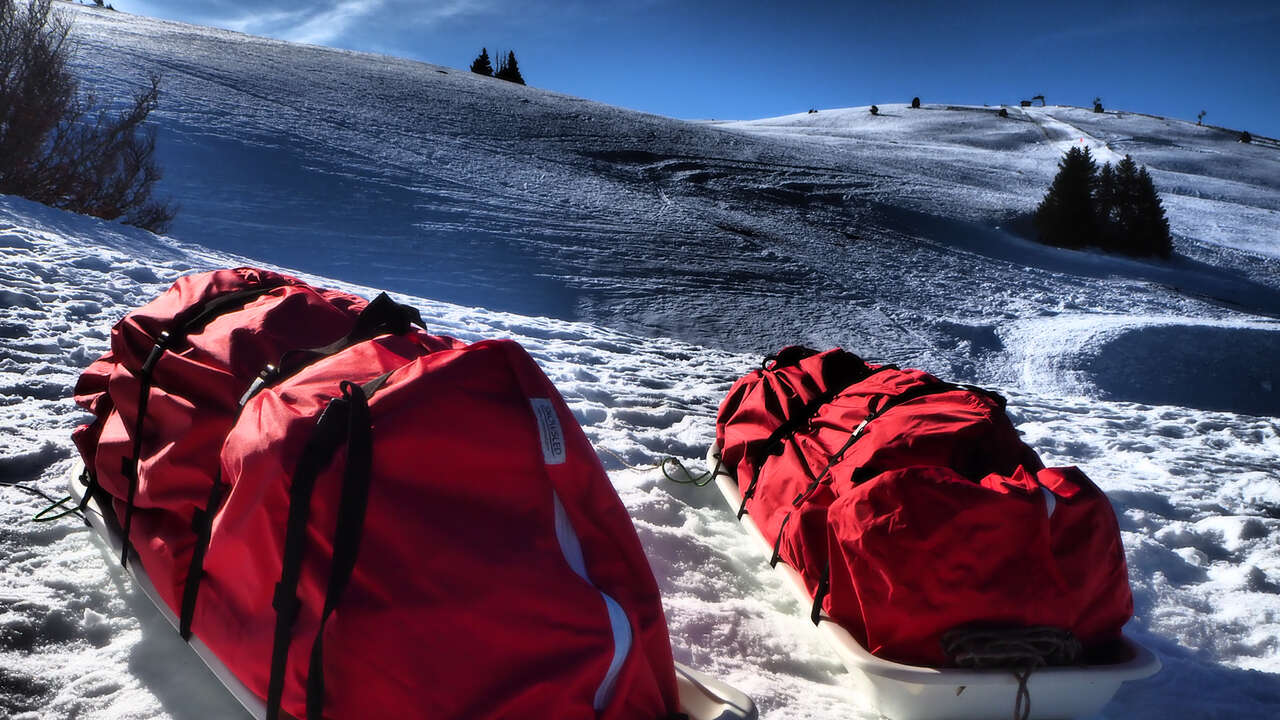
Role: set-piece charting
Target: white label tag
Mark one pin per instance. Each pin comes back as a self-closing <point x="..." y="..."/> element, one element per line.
<point x="553" y="450"/>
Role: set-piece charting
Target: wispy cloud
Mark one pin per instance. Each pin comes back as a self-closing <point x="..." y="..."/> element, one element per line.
<point x="331" y="22"/>
<point x="440" y="12"/>
<point x="317" y="23"/>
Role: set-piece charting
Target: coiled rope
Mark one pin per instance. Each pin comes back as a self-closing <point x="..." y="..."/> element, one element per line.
<point x="670" y="464"/>
<point x="1021" y="648"/>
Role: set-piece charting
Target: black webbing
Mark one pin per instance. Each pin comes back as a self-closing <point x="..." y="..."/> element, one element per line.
<point x="129" y="465"/>
<point x="316" y="455"/>
<point x="202" y="523"/>
<point x="382" y="316"/>
<point x="192" y="318"/>
<point x="777" y="544"/>
<point x="346" y="537"/>
<point x="824" y="587"/>
<point x="787" y="356"/>
<point x="875" y="410"/>
<point x="346" y="418"/>
<point x="789" y="428"/>
<point x="388" y="317"/>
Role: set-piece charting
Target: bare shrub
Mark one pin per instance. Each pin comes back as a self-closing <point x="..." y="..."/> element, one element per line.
<point x="56" y="145"/>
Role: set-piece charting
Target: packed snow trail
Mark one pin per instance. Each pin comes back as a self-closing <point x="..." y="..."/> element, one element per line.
<point x="1064" y="136"/>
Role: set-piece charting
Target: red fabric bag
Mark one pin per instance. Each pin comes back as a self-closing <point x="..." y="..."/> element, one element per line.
<point x="166" y="394"/>
<point x="923" y="550"/>
<point x="938" y="459"/>
<point x="411" y="527"/>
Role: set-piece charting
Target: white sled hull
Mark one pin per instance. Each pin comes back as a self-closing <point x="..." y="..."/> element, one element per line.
<point x="911" y="692"/>
<point x="701" y="697"/>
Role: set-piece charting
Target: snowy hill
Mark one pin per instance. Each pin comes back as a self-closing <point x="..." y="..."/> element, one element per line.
<point x="646" y="262"/>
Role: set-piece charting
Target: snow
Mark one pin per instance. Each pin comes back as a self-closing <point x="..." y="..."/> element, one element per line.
<point x="646" y="263"/>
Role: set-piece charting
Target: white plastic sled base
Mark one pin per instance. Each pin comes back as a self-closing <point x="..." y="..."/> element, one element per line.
<point x="701" y="696"/>
<point x="912" y="692"/>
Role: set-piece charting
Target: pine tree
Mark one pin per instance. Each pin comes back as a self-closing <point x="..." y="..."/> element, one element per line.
<point x="1126" y="199"/>
<point x="1152" y="226"/>
<point x="1066" y="215"/>
<point x="1117" y="209"/>
<point x="481" y="65"/>
<point x="509" y="70"/>
<point x="1104" y="201"/>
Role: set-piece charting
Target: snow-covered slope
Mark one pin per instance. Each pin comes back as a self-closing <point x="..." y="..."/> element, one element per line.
<point x="509" y="211"/>
<point x="885" y="233"/>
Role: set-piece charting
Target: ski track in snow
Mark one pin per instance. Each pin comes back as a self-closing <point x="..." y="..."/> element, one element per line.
<point x="1158" y="379"/>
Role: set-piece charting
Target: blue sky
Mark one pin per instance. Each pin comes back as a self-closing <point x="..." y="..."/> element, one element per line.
<point x="752" y="59"/>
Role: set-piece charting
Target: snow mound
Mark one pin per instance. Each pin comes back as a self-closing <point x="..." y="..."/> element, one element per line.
<point x="1190" y="362"/>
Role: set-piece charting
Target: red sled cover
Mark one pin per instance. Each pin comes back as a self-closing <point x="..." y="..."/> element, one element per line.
<point x="405" y="525"/>
<point x="911" y="507"/>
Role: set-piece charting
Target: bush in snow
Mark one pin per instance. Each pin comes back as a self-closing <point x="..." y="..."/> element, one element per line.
<point x="508" y="70"/>
<point x="915" y="103"/>
<point x="56" y="146"/>
<point x="1116" y="209"/>
<point x="481" y="65"/>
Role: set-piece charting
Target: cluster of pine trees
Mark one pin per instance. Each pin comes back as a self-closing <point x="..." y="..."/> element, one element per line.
<point x="508" y="69"/>
<point x="1116" y="209"/>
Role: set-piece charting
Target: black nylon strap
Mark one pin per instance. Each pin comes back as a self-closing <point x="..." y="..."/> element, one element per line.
<point x="193" y="318"/>
<point x="316" y="455"/>
<point x="197" y="317"/>
<point x="777" y="543"/>
<point x="824" y="587"/>
<point x="382" y="316"/>
<point x="202" y="523"/>
<point x="793" y="424"/>
<point x="350" y="527"/>
<point x="129" y="465"/>
<point x="787" y="356"/>
<point x="876" y="409"/>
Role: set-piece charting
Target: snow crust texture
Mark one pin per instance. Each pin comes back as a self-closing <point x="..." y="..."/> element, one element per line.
<point x="646" y="263"/>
